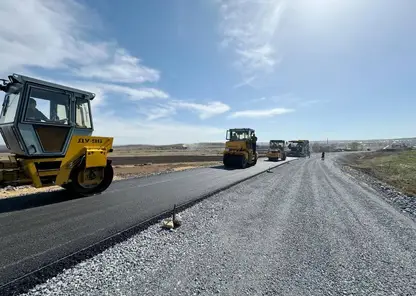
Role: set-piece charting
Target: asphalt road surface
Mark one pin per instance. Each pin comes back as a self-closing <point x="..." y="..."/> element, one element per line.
<point x="38" y="230"/>
<point x="305" y="229"/>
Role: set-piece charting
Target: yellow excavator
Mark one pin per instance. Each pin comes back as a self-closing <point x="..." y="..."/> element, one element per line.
<point x="240" y="148"/>
<point x="48" y="130"/>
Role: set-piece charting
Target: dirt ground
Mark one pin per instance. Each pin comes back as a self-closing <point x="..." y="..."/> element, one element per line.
<point x="160" y="159"/>
<point x="121" y="172"/>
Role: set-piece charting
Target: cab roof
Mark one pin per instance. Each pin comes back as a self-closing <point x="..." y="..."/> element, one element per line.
<point x="241" y="129"/>
<point x="22" y="79"/>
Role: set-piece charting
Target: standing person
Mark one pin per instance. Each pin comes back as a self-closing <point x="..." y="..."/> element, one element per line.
<point x="254" y="142"/>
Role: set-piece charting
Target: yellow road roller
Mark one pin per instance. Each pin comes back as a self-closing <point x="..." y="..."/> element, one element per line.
<point x="276" y="150"/>
<point x="240" y="148"/>
<point x="48" y="130"/>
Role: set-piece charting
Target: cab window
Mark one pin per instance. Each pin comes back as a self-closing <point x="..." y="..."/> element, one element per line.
<point x="83" y="114"/>
<point x="9" y="108"/>
<point x="47" y="106"/>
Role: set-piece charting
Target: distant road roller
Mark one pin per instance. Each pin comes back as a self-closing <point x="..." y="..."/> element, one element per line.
<point x="48" y="130"/>
<point x="276" y="150"/>
<point x="240" y="148"/>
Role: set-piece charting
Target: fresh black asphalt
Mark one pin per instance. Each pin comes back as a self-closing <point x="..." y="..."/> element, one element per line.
<point x="39" y="229"/>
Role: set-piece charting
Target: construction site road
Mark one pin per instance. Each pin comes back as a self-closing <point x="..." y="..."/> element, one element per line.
<point x="40" y="229"/>
<point x="306" y="228"/>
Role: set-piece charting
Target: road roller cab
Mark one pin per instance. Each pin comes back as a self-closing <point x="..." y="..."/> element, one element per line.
<point x="240" y="148"/>
<point x="276" y="150"/>
<point x="48" y="130"/>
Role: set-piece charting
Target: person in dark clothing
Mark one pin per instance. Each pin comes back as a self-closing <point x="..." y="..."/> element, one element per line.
<point x="323" y="154"/>
<point x="254" y="142"/>
<point x="33" y="113"/>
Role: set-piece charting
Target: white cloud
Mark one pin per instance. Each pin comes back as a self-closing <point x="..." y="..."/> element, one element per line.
<point x="247" y="81"/>
<point x="312" y="102"/>
<point x="128" y="131"/>
<point x="135" y="93"/>
<point x="250" y="28"/>
<point x="158" y="112"/>
<point x="258" y="100"/>
<point x="122" y="67"/>
<point x="102" y="90"/>
<point x="59" y="36"/>
<point x="261" y="113"/>
<point x="53" y="35"/>
<point x="205" y="110"/>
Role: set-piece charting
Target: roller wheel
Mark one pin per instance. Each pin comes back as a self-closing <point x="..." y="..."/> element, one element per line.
<point x="226" y="161"/>
<point x="75" y="186"/>
<point x="243" y="163"/>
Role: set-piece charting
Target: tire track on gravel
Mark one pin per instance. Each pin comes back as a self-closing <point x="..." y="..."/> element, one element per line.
<point x="307" y="250"/>
<point x="377" y="235"/>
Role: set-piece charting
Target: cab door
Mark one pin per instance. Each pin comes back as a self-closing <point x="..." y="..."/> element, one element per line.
<point x="48" y="112"/>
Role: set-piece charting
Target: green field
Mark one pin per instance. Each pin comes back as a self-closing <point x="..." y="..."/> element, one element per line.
<point x="395" y="168"/>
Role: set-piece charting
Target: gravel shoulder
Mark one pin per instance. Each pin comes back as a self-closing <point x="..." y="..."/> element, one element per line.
<point x="304" y="229"/>
<point x="367" y="176"/>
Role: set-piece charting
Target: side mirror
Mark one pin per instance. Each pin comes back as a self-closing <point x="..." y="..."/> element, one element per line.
<point x="5" y="105"/>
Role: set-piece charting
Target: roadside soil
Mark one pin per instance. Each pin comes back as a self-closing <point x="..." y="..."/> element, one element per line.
<point x="121" y="172"/>
<point x="163" y="159"/>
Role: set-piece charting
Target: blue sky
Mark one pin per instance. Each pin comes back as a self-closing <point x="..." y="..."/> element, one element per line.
<point x="186" y="70"/>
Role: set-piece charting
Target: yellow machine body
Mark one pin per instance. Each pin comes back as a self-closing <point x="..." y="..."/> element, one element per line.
<point x="274" y="155"/>
<point x="28" y="171"/>
<point x="239" y="152"/>
<point x="237" y="148"/>
<point x="54" y="146"/>
<point x="276" y="150"/>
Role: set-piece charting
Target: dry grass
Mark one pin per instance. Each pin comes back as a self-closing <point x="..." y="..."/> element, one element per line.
<point x="395" y="168"/>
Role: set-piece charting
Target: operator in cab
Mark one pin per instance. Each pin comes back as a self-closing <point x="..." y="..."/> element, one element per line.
<point x="33" y="113"/>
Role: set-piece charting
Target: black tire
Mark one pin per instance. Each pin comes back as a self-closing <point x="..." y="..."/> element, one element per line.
<point x="226" y="161"/>
<point x="76" y="188"/>
<point x="243" y="162"/>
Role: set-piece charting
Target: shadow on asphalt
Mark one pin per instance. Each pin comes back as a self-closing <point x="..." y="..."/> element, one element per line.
<point x="221" y="167"/>
<point x="24" y="202"/>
